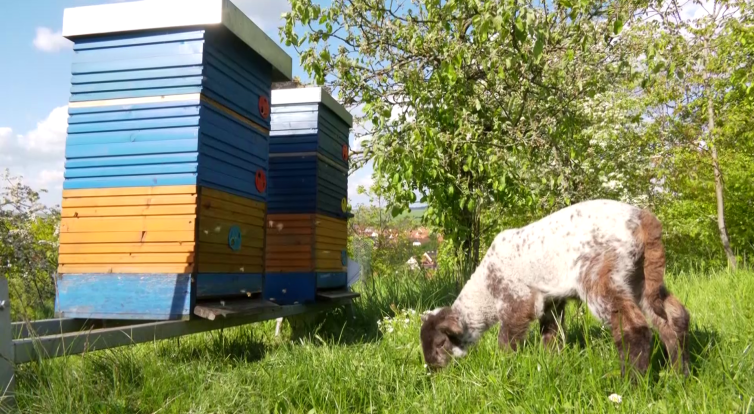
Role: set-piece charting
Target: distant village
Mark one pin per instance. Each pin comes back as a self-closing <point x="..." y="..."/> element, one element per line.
<point x="418" y="237"/>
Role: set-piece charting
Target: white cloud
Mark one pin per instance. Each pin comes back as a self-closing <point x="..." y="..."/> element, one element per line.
<point x="38" y="155"/>
<point x="5" y="137"/>
<point x="49" y="137"/>
<point x="49" y="41"/>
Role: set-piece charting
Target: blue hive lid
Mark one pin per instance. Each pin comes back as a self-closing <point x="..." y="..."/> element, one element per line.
<point x="163" y="14"/>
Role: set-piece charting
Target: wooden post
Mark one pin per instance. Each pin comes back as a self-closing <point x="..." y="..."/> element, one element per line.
<point x="7" y="380"/>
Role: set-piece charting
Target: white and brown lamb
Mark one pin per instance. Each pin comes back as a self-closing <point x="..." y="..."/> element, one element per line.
<point x="605" y="253"/>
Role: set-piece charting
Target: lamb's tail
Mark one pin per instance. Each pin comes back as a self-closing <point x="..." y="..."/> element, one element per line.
<point x="649" y="234"/>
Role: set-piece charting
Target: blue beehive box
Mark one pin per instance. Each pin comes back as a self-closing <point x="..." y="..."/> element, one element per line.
<point x="307" y="235"/>
<point x="301" y="184"/>
<point x="309" y="120"/>
<point x="165" y="185"/>
<point x="309" y="151"/>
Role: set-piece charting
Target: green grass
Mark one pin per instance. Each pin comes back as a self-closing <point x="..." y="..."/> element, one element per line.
<point x="360" y="366"/>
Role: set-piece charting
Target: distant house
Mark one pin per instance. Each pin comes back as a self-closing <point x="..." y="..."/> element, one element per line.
<point x="429" y="260"/>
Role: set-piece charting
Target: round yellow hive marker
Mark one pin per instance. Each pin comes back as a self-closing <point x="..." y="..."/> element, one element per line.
<point x="344" y="204"/>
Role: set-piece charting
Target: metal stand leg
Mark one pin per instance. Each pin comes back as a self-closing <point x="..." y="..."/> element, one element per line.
<point x="278" y="324"/>
<point x="7" y="375"/>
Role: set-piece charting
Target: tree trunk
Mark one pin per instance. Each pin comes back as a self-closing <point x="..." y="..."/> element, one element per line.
<point x="719" y="185"/>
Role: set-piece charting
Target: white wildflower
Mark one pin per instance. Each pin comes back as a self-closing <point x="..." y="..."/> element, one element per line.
<point x="389" y="329"/>
<point x="615" y="398"/>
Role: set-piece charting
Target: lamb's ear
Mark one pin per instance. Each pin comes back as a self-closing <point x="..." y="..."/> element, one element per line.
<point x="425" y="316"/>
<point x="450" y="325"/>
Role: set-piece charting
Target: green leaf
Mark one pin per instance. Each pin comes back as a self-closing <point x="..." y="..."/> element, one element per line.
<point x="538" y="47"/>
<point x="618" y="24"/>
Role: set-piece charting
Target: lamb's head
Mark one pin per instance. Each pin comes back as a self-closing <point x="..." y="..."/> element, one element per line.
<point x="442" y="335"/>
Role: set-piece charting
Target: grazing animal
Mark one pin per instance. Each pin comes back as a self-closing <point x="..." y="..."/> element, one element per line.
<point x="605" y="253"/>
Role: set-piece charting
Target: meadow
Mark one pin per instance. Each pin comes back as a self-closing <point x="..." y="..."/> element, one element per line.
<point x="372" y="363"/>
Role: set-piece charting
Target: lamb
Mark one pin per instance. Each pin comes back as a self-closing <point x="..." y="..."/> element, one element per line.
<point x="603" y="252"/>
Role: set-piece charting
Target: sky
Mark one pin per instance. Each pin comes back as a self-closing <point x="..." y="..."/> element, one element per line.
<point x="35" y="73"/>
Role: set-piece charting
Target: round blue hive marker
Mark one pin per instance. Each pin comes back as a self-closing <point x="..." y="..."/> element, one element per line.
<point x="234" y="238"/>
<point x="343" y="257"/>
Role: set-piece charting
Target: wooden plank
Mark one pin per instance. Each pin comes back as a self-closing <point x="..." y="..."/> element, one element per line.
<point x="127" y="224"/>
<point x="253" y="239"/>
<point x="230" y="268"/>
<point x="234" y="308"/>
<point x="136" y="101"/>
<point x="330" y="246"/>
<point x="286" y="256"/>
<point x="99" y="142"/>
<point x="128" y="237"/>
<point x="328" y="254"/>
<point x="225" y="249"/>
<point x="302" y="263"/>
<point x="330" y="221"/>
<point x="333" y="234"/>
<point x="288" y="240"/>
<point x="320" y="239"/>
<point x="231" y="216"/>
<point x="294" y="225"/>
<point x="329" y="265"/>
<point x="129" y="180"/>
<point x="122" y="201"/>
<point x="119" y="258"/>
<point x="130" y="191"/>
<point x="146" y="210"/>
<point x="217" y="258"/>
<point x="332" y="280"/>
<point x="218" y="204"/>
<point x="235" y="115"/>
<point x="32" y="349"/>
<point x="337" y="294"/>
<point x="228" y="285"/>
<point x="301" y="249"/>
<point x="290" y="231"/>
<point x="125" y="268"/>
<point x="290" y="217"/>
<point x="232" y="198"/>
<point x="127" y="248"/>
<point x="210" y="225"/>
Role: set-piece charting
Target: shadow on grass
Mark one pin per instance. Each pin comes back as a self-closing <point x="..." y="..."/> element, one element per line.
<point x="700" y="344"/>
<point x="233" y="345"/>
<point x="378" y="297"/>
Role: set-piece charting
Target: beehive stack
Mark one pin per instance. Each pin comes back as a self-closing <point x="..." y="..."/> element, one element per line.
<point x="307" y="197"/>
<point x="166" y="158"/>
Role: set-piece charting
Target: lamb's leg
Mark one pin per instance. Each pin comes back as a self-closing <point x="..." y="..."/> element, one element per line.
<point x="516" y="315"/>
<point x="606" y="284"/>
<point x="551" y="321"/>
<point x="631" y="333"/>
